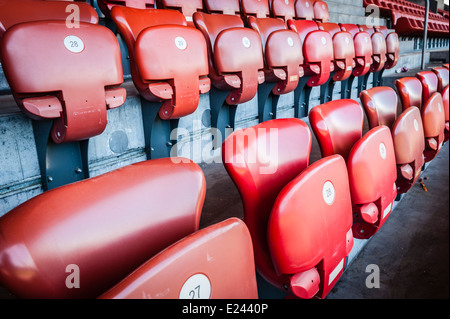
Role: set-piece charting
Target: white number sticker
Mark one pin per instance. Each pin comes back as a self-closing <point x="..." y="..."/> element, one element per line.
<point x="382" y="149"/>
<point x="246" y="42"/>
<point x="328" y="192"/>
<point x="74" y="44"/>
<point x="416" y="125"/>
<point x="181" y="43"/>
<point x="197" y="286"/>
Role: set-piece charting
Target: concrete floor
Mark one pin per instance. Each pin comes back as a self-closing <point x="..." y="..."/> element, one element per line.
<point x="411" y="250"/>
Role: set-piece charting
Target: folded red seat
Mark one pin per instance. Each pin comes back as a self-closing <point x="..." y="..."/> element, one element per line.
<point x="157" y="38"/>
<point x="380" y="105"/>
<point x="186" y="7"/>
<point x="235" y="65"/>
<point x="106" y="5"/>
<point x="337" y="126"/>
<point x="344" y="58"/>
<point x="318" y="61"/>
<point x="283" y="9"/>
<point x="283" y="60"/>
<point x="269" y="165"/>
<point x="65" y="90"/>
<point x="363" y="58"/>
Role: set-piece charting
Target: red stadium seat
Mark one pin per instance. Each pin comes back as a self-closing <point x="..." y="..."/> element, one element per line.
<point x="442" y="74"/>
<point x="195" y="268"/>
<point x="283" y="9"/>
<point x="283" y="59"/>
<point x="14" y="12"/>
<point x="318" y="61"/>
<point x="230" y="7"/>
<point x="379" y="55"/>
<point x="106" y="226"/>
<point x="433" y="118"/>
<point x="410" y="92"/>
<point x="329" y="119"/>
<point x="363" y="58"/>
<point x="429" y="82"/>
<point x="370" y="161"/>
<point x="235" y="64"/>
<point x="307" y="211"/>
<point x="409" y="145"/>
<point x="372" y="175"/>
<point x="445" y="100"/>
<point x="304" y="9"/>
<point x="256" y="8"/>
<point x="107" y="5"/>
<point x="344" y="58"/>
<point x="273" y="185"/>
<point x="392" y="53"/>
<point x="186" y="7"/>
<point x="65" y="90"/>
<point x="321" y="13"/>
<point x="380" y="105"/>
<point x="166" y="93"/>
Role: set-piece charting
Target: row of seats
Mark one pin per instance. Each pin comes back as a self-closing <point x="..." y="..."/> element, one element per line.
<point x="300" y="219"/>
<point x="222" y="53"/>
<point x="408" y="18"/>
<point x="241" y="75"/>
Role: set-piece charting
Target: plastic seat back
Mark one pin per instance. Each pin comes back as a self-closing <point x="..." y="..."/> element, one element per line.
<point x="429" y="82"/>
<point x="321" y="13"/>
<point x="145" y="33"/>
<point x="380" y="105"/>
<point x="410" y="91"/>
<point x="262" y="160"/>
<point x="73" y="83"/>
<point x="317" y="51"/>
<point x="442" y="74"/>
<point x="343" y="50"/>
<point x="256" y="8"/>
<point x="409" y="146"/>
<point x="392" y="46"/>
<point x="14" y="12"/>
<point x="283" y="9"/>
<point x="186" y="7"/>
<point x="282" y="53"/>
<point x="445" y="101"/>
<point x="337" y="126"/>
<point x="106" y="6"/>
<point x="433" y="118"/>
<point x="379" y="50"/>
<point x="363" y="49"/>
<point x="208" y="264"/>
<point x="310" y="230"/>
<point x="235" y="55"/>
<point x="222" y="7"/>
<point x="304" y="9"/>
<point x="372" y="175"/>
<point x="105" y="226"/>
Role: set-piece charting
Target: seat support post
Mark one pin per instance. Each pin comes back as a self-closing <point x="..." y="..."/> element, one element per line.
<point x="267" y="102"/>
<point x="157" y="132"/>
<point x="326" y="90"/>
<point x="223" y="115"/>
<point x="301" y="98"/>
<point x="60" y="164"/>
